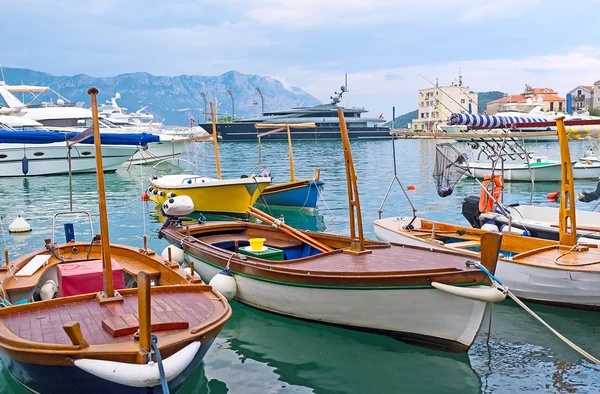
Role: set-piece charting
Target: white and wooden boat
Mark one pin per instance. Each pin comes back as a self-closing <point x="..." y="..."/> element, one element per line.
<point x="346" y="281"/>
<point x="108" y="318"/>
<point x="563" y="273"/>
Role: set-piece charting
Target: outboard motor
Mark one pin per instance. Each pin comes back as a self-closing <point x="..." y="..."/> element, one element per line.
<point x="174" y="208"/>
<point x="470" y="210"/>
<point x="590" y="196"/>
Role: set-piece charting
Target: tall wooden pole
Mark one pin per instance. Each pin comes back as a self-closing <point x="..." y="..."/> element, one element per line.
<point x="144" y="310"/>
<point x="289" y="133"/>
<point x="109" y="290"/>
<point x="353" y="199"/>
<point x="215" y="139"/>
<point x="567" y="223"/>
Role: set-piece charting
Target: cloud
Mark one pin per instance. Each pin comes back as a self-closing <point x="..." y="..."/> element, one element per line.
<point x="378" y="92"/>
<point x="392" y="77"/>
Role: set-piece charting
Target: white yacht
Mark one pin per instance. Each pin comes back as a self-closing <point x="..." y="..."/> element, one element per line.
<point x="63" y="116"/>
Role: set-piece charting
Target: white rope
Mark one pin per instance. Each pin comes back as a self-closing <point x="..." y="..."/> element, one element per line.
<point x="558" y="334"/>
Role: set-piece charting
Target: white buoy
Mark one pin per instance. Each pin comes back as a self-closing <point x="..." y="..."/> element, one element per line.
<point x="188" y="270"/>
<point x="224" y="283"/>
<point x="48" y="290"/>
<point x="490" y="227"/>
<point x="177" y="254"/>
<point x="19" y="225"/>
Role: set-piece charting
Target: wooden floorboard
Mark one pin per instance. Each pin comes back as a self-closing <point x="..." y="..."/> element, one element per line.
<point x="46" y="325"/>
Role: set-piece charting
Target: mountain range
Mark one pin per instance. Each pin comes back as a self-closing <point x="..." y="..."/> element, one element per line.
<point x="173" y="100"/>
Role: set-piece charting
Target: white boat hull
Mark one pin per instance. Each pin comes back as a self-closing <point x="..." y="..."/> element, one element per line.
<point x="51" y="159"/>
<point x="542" y="173"/>
<point x="168" y="147"/>
<point x="540" y="284"/>
<point x="420" y="315"/>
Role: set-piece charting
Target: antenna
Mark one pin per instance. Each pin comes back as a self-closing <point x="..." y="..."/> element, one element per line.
<point x="460" y="80"/>
<point x="346" y="81"/>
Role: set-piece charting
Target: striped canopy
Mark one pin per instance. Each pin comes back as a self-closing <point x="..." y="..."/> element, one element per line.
<point x="491" y="121"/>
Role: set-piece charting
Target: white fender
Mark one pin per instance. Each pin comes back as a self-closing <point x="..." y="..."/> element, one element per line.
<point x="480" y="293"/>
<point x="140" y="375"/>
<point x="177" y="254"/>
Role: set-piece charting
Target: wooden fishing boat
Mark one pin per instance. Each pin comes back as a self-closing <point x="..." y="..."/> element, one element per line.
<point x="563" y="273"/>
<point x="302" y="193"/>
<point x="347" y="281"/>
<point x="209" y="195"/>
<point x="108" y="318"/>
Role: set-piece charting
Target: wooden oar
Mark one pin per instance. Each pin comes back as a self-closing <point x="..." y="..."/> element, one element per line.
<point x="262" y="216"/>
<point x="289" y="231"/>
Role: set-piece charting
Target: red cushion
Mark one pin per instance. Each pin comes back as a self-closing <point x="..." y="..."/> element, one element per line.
<point x="86" y="277"/>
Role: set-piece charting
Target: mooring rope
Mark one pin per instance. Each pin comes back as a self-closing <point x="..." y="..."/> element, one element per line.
<point x="161" y="369"/>
<point x="532" y="313"/>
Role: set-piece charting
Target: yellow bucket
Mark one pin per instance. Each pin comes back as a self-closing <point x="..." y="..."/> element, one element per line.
<point x="256" y="243"/>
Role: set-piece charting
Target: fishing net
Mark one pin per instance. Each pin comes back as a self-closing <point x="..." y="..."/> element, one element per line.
<point x="450" y="166"/>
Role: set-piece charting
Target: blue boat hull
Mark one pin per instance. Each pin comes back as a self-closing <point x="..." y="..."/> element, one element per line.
<point x="305" y="196"/>
<point x="61" y="379"/>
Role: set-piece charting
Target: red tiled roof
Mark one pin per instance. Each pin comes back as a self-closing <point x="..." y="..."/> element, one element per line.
<point x="597" y="82"/>
<point x="518" y="98"/>
<point x="588" y="87"/>
<point x="542" y="91"/>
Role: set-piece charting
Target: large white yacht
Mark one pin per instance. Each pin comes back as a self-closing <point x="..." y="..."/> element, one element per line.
<point x="67" y="117"/>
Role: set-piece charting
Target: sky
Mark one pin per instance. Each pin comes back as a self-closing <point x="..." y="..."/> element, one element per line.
<point x="389" y="48"/>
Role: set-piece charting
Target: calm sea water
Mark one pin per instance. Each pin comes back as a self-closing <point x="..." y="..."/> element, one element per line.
<point x="259" y="352"/>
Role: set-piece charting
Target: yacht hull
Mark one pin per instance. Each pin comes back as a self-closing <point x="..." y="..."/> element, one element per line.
<point x="156" y="151"/>
<point x="51" y="159"/>
<point x="247" y="132"/>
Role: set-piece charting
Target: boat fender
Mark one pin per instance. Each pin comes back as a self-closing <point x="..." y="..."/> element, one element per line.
<point x="25" y="165"/>
<point x="171" y="195"/>
<point x="150" y="189"/>
<point x="140" y="375"/>
<point x="49" y="290"/>
<point x="155" y="192"/>
<point x="19" y="225"/>
<point x="177" y="255"/>
<point x="490" y="226"/>
<point x="477" y="293"/>
<point x="224" y="283"/>
<point x="515" y="230"/>
<point x="161" y="193"/>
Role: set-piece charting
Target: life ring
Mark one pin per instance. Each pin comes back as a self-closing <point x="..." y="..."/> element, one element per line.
<point x="486" y="204"/>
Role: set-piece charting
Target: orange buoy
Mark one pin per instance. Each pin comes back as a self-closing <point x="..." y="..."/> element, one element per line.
<point x="411" y="187"/>
<point x="553" y="196"/>
<point x="145" y="196"/>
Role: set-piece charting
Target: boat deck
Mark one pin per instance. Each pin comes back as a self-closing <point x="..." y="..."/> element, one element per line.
<point x="171" y="312"/>
<point x="562" y="259"/>
<point x="393" y="260"/>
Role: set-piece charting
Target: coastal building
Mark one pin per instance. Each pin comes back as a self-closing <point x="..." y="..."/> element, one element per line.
<point x="436" y="104"/>
<point x="531" y="98"/>
<point x="582" y="97"/>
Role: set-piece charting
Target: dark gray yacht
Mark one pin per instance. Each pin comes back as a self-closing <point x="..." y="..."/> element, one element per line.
<point x="325" y="116"/>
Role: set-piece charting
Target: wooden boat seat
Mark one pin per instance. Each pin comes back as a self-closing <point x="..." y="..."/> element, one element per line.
<point x="128" y="324"/>
<point x="464" y="244"/>
<point x="133" y="267"/>
<point x="276" y="243"/>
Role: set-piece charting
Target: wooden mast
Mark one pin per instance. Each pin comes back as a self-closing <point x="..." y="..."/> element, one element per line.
<point x="109" y="290"/>
<point x="566" y="218"/>
<point x="289" y="135"/>
<point x="215" y="139"/>
<point x="357" y="246"/>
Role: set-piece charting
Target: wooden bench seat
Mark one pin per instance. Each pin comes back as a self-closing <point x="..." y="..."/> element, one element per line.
<point x="464" y="244"/>
<point x="133" y="267"/>
<point x="118" y="326"/>
<point x="275" y="243"/>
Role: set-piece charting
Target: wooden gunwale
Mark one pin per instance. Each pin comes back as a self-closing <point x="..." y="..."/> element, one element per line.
<point x="57" y="354"/>
<point x="530" y="256"/>
<point x="288" y="273"/>
<point x="287" y="186"/>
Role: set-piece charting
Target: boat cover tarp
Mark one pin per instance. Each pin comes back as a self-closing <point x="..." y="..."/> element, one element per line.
<point x="491" y="121"/>
<point x="48" y="137"/>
